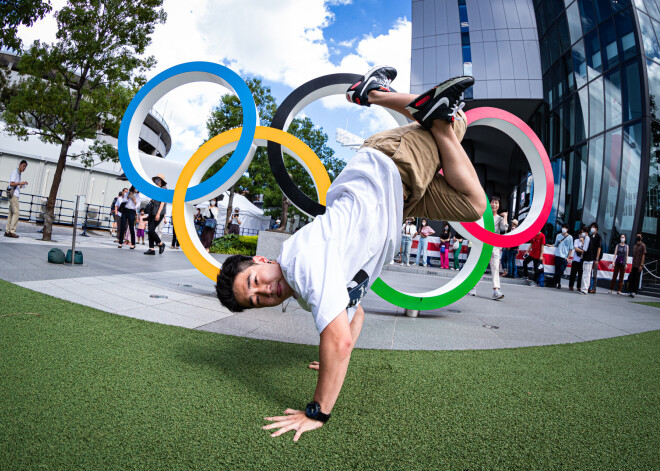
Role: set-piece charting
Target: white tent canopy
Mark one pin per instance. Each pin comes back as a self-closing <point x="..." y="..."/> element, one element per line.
<point x="251" y="217"/>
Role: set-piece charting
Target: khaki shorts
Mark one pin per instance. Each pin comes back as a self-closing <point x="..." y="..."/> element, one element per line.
<point x="426" y="193"/>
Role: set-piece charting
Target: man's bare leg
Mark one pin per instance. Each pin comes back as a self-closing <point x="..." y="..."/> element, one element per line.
<point x="456" y="165"/>
<point x="392" y="100"/>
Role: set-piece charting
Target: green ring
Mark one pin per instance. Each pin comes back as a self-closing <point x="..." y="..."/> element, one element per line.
<point x="429" y="301"/>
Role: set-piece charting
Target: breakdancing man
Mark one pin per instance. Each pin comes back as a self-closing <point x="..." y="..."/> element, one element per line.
<point x="394" y="174"/>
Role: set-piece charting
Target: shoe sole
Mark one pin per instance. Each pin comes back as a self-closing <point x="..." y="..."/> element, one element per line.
<point x="365" y="81"/>
<point x="428" y="97"/>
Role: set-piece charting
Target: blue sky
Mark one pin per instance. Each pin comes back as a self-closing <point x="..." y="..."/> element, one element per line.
<point x="286" y="43"/>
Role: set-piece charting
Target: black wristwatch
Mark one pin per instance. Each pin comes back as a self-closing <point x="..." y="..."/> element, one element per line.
<point x="313" y="411"/>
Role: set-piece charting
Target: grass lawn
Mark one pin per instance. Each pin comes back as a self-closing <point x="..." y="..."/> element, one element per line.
<point x="84" y="389"/>
<point x="649" y="303"/>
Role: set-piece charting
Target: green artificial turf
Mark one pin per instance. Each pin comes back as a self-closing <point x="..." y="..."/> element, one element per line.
<point x="84" y="389"/>
<point x="649" y="303"/>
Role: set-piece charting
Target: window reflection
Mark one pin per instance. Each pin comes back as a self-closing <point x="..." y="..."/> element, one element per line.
<point x="574" y="24"/>
<point x="613" y="100"/>
<point x="596" y="111"/>
<point x="611" y="172"/>
<point x="629" y="179"/>
<point x="652" y="208"/>
<point x="582" y="115"/>
<point x="632" y="107"/>
<point x="581" y="157"/>
<point x="609" y="45"/>
<point x="653" y="72"/>
<point x="594" y="59"/>
<point x="594" y="177"/>
<point x="587" y="14"/>
<point x="652" y="9"/>
<point x="625" y="32"/>
<point x="651" y="48"/>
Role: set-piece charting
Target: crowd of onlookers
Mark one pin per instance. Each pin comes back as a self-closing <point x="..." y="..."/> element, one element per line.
<point x="584" y="251"/>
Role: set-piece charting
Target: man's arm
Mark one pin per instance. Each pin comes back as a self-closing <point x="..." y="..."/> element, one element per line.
<point x="334" y="354"/>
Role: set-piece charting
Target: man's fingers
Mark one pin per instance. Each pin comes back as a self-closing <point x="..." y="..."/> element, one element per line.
<point x="281" y="431"/>
<point x="279" y="418"/>
<point x="299" y="432"/>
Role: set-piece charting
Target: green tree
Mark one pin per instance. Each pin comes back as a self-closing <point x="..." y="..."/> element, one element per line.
<point x="258" y="179"/>
<point x="83" y="81"/>
<point x="14" y="13"/>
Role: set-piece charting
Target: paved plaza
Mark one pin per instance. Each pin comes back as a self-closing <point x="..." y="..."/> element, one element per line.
<point x="168" y="290"/>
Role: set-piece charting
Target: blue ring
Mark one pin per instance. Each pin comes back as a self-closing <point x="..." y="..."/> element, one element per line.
<point x="242" y="149"/>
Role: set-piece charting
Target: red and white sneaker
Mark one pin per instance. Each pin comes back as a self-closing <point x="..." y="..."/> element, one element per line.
<point x="441" y="102"/>
<point x="378" y="78"/>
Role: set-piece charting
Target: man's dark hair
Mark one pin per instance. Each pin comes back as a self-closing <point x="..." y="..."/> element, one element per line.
<point x="225" y="287"/>
<point x="495" y="198"/>
<point x="564" y="225"/>
<point x="120" y="193"/>
<point x="23" y="162"/>
<point x="594" y="224"/>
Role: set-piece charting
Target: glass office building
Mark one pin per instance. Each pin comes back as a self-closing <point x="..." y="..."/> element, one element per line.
<point x="593" y="100"/>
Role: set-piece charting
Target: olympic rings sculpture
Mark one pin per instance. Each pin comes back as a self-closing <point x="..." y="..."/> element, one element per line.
<point x="243" y="141"/>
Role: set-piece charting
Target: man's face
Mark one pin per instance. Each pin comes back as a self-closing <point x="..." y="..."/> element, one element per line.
<point x="22" y="167"/>
<point x="494" y="205"/>
<point x="261" y="285"/>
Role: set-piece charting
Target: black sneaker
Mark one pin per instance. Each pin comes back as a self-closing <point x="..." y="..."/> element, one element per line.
<point x="441" y="102"/>
<point x="378" y="78"/>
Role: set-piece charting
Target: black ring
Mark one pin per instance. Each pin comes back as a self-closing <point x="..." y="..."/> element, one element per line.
<point x="275" y="157"/>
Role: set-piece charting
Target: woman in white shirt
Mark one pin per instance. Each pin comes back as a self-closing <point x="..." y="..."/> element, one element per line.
<point x="130" y="202"/>
<point x="407" y="232"/>
<point x="208" y="232"/>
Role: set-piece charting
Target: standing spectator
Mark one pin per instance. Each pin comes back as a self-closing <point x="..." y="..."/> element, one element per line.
<point x="13" y="194"/>
<point x="509" y="255"/>
<point x="141" y="226"/>
<point x="155" y="218"/>
<point x="591" y="258"/>
<point x="534" y="254"/>
<point x="580" y="245"/>
<point x="501" y="225"/>
<point x="424" y="232"/>
<point x="407" y="232"/>
<point x="638" y="257"/>
<point x="127" y="205"/>
<point x="457" y="246"/>
<point x="563" y="248"/>
<point x="199" y="223"/>
<point x="620" y="261"/>
<point x="114" y="215"/>
<point x="210" y="215"/>
<point x="235" y="222"/>
<point x="445" y="240"/>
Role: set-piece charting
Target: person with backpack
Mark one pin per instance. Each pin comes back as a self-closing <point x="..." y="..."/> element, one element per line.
<point x="155" y="211"/>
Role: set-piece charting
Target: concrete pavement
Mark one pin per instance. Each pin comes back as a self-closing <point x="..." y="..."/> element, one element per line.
<point x="167" y="289"/>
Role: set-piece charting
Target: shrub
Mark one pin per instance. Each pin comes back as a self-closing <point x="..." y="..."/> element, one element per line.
<point x="233" y="244"/>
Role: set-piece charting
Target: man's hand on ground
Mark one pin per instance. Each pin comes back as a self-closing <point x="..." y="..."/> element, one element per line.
<point x="313" y="365"/>
<point x="293" y="420"/>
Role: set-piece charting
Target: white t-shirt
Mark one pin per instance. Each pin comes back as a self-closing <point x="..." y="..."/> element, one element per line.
<point x="578" y="244"/>
<point x="15" y="178"/>
<point x="359" y="231"/>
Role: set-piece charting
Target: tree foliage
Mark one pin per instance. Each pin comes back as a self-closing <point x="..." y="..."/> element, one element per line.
<point x="14" y="13"/>
<point x="84" y="81"/>
<point x="258" y="179"/>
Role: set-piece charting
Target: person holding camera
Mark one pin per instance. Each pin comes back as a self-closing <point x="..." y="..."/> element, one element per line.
<point x="13" y="193"/>
<point x="235" y="223"/>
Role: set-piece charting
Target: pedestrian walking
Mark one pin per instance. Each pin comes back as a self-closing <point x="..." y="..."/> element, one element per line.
<point x="156" y="215"/>
<point x="127" y="205"/>
<point x="638" y="257"/>
<point x="563" y="249"/>
<point x="424" y="231"/>
<point x="114" y="215"/>
<point x="581" y="242"/>
<point x="591" y="257"/>
<point x="16" y="184"/>
<point x="620" y="254"/>
<point x="501" y="225"/>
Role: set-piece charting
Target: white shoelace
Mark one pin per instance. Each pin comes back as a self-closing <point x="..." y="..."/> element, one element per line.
<point x="455" y="109"/>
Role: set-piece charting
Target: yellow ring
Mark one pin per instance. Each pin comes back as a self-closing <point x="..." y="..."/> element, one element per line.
<point x="183" y="225"/>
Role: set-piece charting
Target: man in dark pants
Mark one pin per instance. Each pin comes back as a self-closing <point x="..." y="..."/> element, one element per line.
<point x="563" y="247"/>
<point x="534" y="254"/>
<point x="595" y="252"/>
<point x="638" y="256"/>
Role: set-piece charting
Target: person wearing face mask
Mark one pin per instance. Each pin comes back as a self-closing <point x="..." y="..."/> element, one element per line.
<point x="155" y="216"/>
<point x="638" y="256"/>
<point x="458" y="246"/>
<point x="210" y="215"/>
<point x="445" y="239"/>
<point x="407" y="233"/>
<point x="424" y="231"/>
<point x="580" y="245"/>
<point x="563" y="249"/>
<point x="501" y="226"/>
<point x="620" y="261"/>
<point x="591" y="258"/>
<point x="127" y="205"/>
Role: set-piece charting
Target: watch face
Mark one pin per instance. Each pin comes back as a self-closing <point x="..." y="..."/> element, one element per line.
<point x="312" y="409"/>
